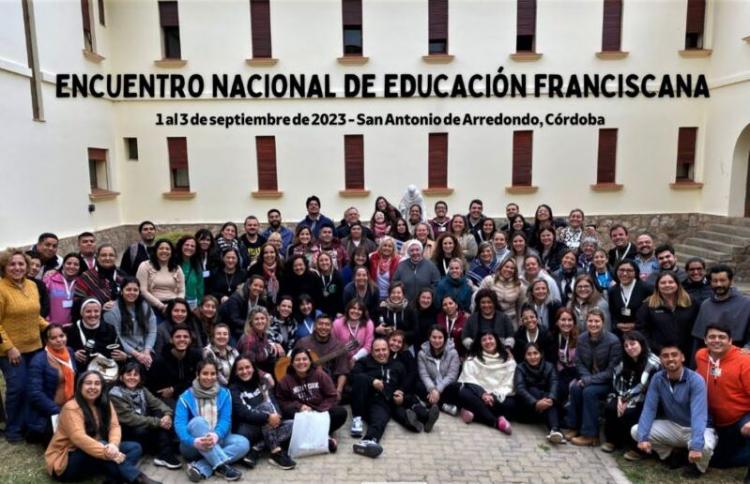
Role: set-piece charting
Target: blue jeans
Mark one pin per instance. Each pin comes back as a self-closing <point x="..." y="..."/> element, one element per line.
<point x="229" y="449"/>
<point x="16" y="401"/>
<point x="732" y="450"/>
<point x="82" y="466"/>
<point x="583" y="410"/>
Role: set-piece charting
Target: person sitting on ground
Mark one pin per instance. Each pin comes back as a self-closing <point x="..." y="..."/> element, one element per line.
<point x="411" y="413"/>
<point x="173" y="368"/>
<point x="327" y="347"/>
<point x="89" y="336"/>
<point x="355" y="325"/>
<point x="530" y="332"/>
<point x="439" y="365"/>
<point x="178" y="312"/>
<point x="256" y="343"/>
<point x="396" y="314"/>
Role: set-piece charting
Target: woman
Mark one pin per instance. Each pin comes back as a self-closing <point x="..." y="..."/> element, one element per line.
<point x="205" y="253"/>
<point x="270" y="267"/>
<point x="307" y="388"/>
<point x="143" y="417"/>
<point x="500" y="245"/>
<point x="487" y="317"/>
<point x="486" y="383"/>
<point x="423" y="233"/>
<point x="88" y="442"/>
<point x="696" y="284"/>
<point x="563" y="352"/>
<point x="597" y="354"/>
<point x="383" y="264"/>
<point x="586" y="297"/>
<point x="447" y="248"/>
<point x="304" y="244"/>
<point x="358" y="238"/>
<point x="400" y="233"/>
<point x="487" y="232"/>
<point x="380" y="225"/>
<point x="103" y="282"/>
<point x="668" y="315"/>
<point x="395" y="313"/>
<point x="277" y="241"/>
<point x="539" y="297"/>
<point x="626" y="296"/>
<point x="161" y="278"/>
<point x="226" y="240"/>
<point x="60" y="286"/>
<point x="414" y="215"/>
<point x="549" y="248"/>
<point x="519" y="249"/>
<point x="188" y="259"/>
<point x="455" y="284"/>
<point x="299" y="280"/>
<point x="466" y="239"/>
<point x="203" y="422"/>
<point x="178" y="312"/>
<point x="518" y="224"/>
<point x="330" y="286"/>
<point x="483" y="265"/>
<point x="438" y="364"/>
<point x="257" y="416"/>
<point x="629" y="383"/>
<point x="453" y="321"/>
<point x="134" y="323"/>
<point x="220" y="353"/>
<point x="256" y="344"/>
<point x="236" y="310"/>
<point x="225" y="280"/>
<point x="360" y="257"/>
<point x="536" y="383"/>
<point x="425" y="315"/>
<point x="600" y="271"/>
<point x="529" y="332"/>
<point x="565" y="276"/>
<point x="89" y="336"/>
<point x="207" y="313"/>
<point x="543" y="218"/>
<point x="355" y="325"/>
<point x="51" y="383"/>
<point x="283" y="327"/>
<point x="510" y="291"/>
<point x="572" y="234"/>
<point x="305" y="317"/>
<point x="586" y="253"/>
<point x="388" y="209"/>
<point x="362" y="288"/>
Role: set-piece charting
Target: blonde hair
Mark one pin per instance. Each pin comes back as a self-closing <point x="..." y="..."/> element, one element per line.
<point x="248" y="329"/>
<point x="656" y="300"/>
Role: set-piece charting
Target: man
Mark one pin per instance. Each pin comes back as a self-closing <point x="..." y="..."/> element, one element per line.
<point x="139" y="251"/>
<point x="532" y="270"/>
<point x="646" y="260"/>
<point x="510" y="210"/>
<point x="174" y="369"/>
<point x="376" y="392"/>
<point x="474" y="219"/>
<point x="351" y="217"/>
<point x="357" y="238"/>
<point x="667" y="262"/>
<point x="697" y="284"/>
<point x="331" y="246"/>
<point x="332" y="354"/>
<point x="87" y="249"/>
<point x="251" y="241"/>
<point x="726" y="305"/>
<point x="679" y="394"/>
<point x="46" y="250"/>
<point x="727" y="373"/>
<point x="623" y="248"/>
<point x="314" y="218"/>
<point x="415" y="272"/>
<point x="274" y="225"/>
<point x="441" y="221"/>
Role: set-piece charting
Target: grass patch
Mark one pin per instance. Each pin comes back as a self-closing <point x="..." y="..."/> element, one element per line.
<point x="651" y="470"/>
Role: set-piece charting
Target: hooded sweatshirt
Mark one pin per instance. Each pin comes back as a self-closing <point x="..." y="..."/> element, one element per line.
<point x="437" y="372"/>
<point x="733" y="311"/>
<point x="728" y="384"/>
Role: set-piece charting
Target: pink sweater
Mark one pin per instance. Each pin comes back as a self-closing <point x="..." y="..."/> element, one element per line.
<point x="161" y="285"/>
<point x="364" y="335"/>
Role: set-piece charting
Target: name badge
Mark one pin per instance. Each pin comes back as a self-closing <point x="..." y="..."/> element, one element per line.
<point x="625" y="311"/>
<point x="716" y="372"/>
<point x="67" y="304"/>
<point x="206" y="274"/>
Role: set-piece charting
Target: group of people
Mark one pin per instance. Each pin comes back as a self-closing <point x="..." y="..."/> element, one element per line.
<point x="207" y="348"/>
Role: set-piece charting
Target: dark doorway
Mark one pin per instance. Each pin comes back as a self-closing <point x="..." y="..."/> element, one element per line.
<point x="747" y="188"/>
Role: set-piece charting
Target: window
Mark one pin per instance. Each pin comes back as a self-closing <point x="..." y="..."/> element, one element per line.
<point x="437" y="169"/>
<point x="35" y="83"/>
<point x="696" y="12"/>
<point x="354" y="162"/>
<point x="438" y="26"/>
<point x="686" y="155"/>
<point x="352" y="22"/>
<point x="98" y="176"/>
<point x="605" y="165"/>
<point x="178" y="164"/>
<point x="265" y="147"/>
<point x="102" y="20"/>
<point x="612" y="26"/>
<point x="131" y="148"/>
<point x="260" y="24"/>
<point x="88" y="32"/>
<point x="522" y="155"/>
<point x="526" y="26"/>
<point x="170" y="29"/>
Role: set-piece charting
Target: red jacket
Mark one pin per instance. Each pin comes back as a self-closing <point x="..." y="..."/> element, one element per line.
<point x="375" y="262"/>
<point x="729" y="392"/>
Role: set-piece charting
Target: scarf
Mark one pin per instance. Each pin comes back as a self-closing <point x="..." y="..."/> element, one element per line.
<point x="272" y="281"/>
<point x="61" y="359"/>
<point x="393" y="306"/>
<point x="493" y="374"/>
<point x="380" y="229"/>
<point x="206" y="400"/>
<point x="136" y="396"/>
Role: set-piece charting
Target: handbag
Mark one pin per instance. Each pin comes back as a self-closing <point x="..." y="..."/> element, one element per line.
<point x="309" y="434"/>
<point x="106" y="366"/>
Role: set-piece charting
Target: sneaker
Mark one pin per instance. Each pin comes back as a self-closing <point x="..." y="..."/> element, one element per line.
<point x="170" y="461"/>
<point x="608" y="447"/>
<point x="411" y="419"/>
<point x="504" y="426"/>
<point x="228" y="472"/>
<point x="251" y="458"/>
<point x="368" y="448"/>
<point x="449" y="409"/>
<point x="282" y="460"/>
<point x="632" y="456"/>
<point x="193" y="473"/>
<point x="333" y="446"/>
<point x="467" y="416"/>
<point x="432" y="416"/>
<point x="357" y="427"/>
<point x="555" y="437"/>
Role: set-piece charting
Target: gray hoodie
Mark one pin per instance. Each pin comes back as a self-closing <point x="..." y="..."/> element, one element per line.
<point x="733" y="312"/>
<point x="438" y="373"/>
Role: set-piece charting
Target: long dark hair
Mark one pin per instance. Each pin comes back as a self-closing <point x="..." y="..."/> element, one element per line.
<point x="200" y="235"/>
<point x="634" y="368"/>
<point x="171" y="264"/>
<point x="235" y="380"/>
<point x="127" y="324"/>
<point x="476" y="347"/>
<point x="101" y="406"/>
<point x="195" y="259"/>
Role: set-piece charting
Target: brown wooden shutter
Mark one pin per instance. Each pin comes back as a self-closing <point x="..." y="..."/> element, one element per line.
<point x="696" y="12"/>
<point x="168" y="14"/>
<point x="352" y="12"/>
<point x="686" y="146"/>
<point x="86" y="14"/>
<point x="354" y="162"/>
<point x="526" y="17"/>
<point x="177" y="153"/>
<point x="612" y="25"/>
<point x="438" y="19"/>
<point x="522" y="155"/>
<point x="437" y="169"/>
<point x="97" y="154"/>
<point x="605" y="165"/>
<point x="260" y="24"/>
<point x="265" y="147"/>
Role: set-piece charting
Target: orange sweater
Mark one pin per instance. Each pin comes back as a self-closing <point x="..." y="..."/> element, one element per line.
<point x="71" y="435"/>
<point x="20" y="321"/>
<point x="729" y="393"/>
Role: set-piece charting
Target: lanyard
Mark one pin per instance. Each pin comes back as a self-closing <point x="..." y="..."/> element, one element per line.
<point x="626" y="293"/>
<point x="356" y="328"/>
<point x="625" y="252"/>
<point x="69" y="288"/>
<point x="536" y="337"/>
<point x="450" y="323"/>
<point x="309" y="326"/>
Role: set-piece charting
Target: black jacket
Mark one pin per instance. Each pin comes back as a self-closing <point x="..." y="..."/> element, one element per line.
<point x="410" y="366"/>
<point x="544" y="340"/>
<point x="331" y="294"/>
<point x="219" y="284"/>
<point x="404" y="320"/>
<point x="235" y="310"/>
<point x="246" y="397"/>
<point x="661" y="325"/>
<point x="392" y="373"/>
<point x="168" y="371"/>
<point x="543" y="378"/>
<point x="617" y="306"/>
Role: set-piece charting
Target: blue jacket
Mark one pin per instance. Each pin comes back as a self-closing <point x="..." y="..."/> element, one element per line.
<point x="314" y="225"/>
<point x="42" y="382"/>
<point x="686" y="405"/>
<point x="458" y="289"/>
<point x="187" y="409"/>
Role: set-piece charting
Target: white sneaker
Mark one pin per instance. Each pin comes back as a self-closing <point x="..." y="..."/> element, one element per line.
<point x="555" y="437"/>
<point x="368" y="448"/>
<point x="357" y="427"/>
<point x="449" y="409"/>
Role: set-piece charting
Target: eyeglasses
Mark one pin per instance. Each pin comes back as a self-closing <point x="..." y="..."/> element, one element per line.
<point x="622" y="269"/>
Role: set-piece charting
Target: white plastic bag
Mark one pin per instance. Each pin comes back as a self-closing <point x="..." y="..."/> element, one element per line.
<point x="309" y="434"/>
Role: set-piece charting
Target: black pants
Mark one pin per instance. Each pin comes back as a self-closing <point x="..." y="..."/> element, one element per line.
<point x="470" y="398"/>
<point x="617" y="429"/>
<point x="411" y="402"/>
<point x="82" y="466"/>
<point x="371" y="405"/>
<point x="338" y="418"/>
<point x="158" y="442"/>
<point x="527" y="413"/>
